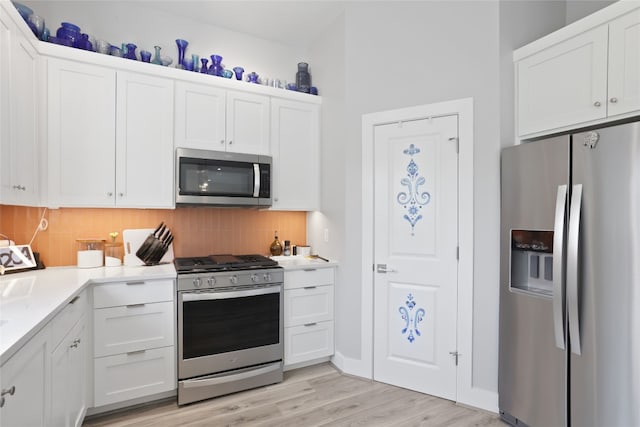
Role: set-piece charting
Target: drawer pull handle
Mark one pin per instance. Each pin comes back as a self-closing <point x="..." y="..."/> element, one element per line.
<point x="131" y="353"/>
<point x="309" y="269"/>
<point x="310" y="324"/>
<point x="135" y="305"/>
<point x="10" y="391"/>
<point x="141" y="282"/>
<point x="76" y="298"/>
<point x="310" y="287"/>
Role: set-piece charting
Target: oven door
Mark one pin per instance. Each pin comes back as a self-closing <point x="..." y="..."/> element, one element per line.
<point x="225" y="330"/>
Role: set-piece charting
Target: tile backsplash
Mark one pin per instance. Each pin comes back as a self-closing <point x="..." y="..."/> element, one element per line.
<point x="198" y="231"/>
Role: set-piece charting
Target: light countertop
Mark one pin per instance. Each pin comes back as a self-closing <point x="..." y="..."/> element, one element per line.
<point x="300" y="262"/>
<point x="30" y="299"/>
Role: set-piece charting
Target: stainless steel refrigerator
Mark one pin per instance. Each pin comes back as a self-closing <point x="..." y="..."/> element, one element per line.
<point x="570" y="280"/>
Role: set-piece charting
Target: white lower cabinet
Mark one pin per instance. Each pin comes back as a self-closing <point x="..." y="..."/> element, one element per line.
<point x="134" y="340"/>
<point x="308" y="315"/>
<point x="24" y="381"/>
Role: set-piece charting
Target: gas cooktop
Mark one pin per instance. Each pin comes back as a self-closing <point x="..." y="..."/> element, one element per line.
<point x="223" y="262"/>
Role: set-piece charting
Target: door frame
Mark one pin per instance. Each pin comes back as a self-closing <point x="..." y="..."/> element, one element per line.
<point x="464" y="109"/>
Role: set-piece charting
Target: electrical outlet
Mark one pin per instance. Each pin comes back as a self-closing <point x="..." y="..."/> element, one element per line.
<point x="326" y="235"/>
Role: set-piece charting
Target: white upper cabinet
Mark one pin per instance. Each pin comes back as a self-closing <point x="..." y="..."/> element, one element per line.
<point x="586" y="73"/>
<point x="19" y="72"/>
<point x="564" y="84"/>
<point x="210" y="118"/>
<point x="81" y="134"/>
<point x="295" y="147"/>
<point x="106" y="147"/>
<point x="144" y="141"/>
<point x="624" y="64"/>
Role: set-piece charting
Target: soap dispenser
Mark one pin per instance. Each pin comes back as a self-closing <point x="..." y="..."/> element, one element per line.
<point x="276" y="246"/>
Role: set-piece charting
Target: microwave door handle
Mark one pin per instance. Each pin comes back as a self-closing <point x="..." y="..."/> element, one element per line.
<point x="256" y="180"/>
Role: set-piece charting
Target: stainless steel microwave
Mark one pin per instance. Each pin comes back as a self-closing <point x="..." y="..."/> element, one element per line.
<point x="219" y="178"/>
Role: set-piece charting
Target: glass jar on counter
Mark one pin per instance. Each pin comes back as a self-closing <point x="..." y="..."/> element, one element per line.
<point x="113" y="253"/>
<point x="90" y="253"/>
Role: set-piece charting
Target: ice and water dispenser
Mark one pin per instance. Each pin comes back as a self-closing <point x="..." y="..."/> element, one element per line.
<point x="532" y="261"/>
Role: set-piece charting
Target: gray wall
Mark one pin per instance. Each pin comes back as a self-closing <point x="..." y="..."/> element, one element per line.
<point x="577" y="9"/>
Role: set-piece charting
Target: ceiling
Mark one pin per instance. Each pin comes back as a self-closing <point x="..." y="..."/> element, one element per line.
<point x="294" y="23"/>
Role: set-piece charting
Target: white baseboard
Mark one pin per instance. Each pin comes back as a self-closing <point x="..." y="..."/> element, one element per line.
<point x="351" y="366"/>
<point x="479" y="398"/>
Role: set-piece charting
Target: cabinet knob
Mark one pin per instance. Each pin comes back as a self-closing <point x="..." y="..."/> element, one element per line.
<point x="23" y="188"/>
<point x="231" y="142"/>
<point x="597" y="103"/>
<point x="10" y="391"/>
<point x="613" y="100"/>
<point x="109" y="194"/>
<point x="222" y="141"/>
<point x="121" y="194"/>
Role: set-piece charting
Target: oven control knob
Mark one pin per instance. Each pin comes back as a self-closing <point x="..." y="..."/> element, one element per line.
<point x="197" y="282"/>
<point x="211" y="281"/>
<point x="267" y="277"/>
<point x="233" y="279"/>
<point x="254" y="278"/>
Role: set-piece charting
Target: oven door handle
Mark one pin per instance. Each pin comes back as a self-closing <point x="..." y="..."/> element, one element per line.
<point x="224" y="378"/>
<point x="204" y="295"/>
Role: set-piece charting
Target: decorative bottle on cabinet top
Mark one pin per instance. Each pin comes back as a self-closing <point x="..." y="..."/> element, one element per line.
<point x="303" y="78"/>
<point x="276" y="247"/>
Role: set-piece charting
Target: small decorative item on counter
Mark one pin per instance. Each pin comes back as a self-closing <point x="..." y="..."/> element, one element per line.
<point x="145" y="56"/>
<point x="303" y="78"/>
<point x="113" y="251"/>
<point x="103" y="47"/>
<point x="182" y="47"/>
<point x="68" y="31"/>
<point x="227" y="74"/>
<point x="36" y="23"/>
<point x="157" y="59"/>
<point x="187" y="63"/>
<point x="292" y="86"/>
<point x="287" y="248"/>
<point x="196" y="62"/>
<point x="313" y="90"/>
<point x="166" y="60"/>
<point x="276" y="247"/>
<point x="90" y="253"/>
<point x="238" y="72"/>
<point x="303" y="250"/>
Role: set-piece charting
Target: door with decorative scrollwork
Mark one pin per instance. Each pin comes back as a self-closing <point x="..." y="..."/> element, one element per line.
<point x="416" y="241"/>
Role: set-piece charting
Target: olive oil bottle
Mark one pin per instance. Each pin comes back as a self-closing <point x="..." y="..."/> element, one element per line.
<point x="276" y="246"/>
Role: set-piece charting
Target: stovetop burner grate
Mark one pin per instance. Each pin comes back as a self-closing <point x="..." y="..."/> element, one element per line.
<point x="222" y="262"/>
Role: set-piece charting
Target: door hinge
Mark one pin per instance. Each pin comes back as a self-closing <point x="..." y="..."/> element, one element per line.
<point x="455" y="355"/>
<point x="457" y="141"/>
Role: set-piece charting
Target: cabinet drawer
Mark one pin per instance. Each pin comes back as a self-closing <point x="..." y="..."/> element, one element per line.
<point x="308" y="342"/>
<point x="133" y="327"/>
<point x="308" y="277"/>
<point x="133" y="292"/>
<point x="308" y="305"/>
<point x="131" y="375"/>
<point x="69" y="316"/>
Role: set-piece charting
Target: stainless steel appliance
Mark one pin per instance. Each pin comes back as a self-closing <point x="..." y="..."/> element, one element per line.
<point x="570" y="280"/>
<point x="230" y="324"/>
<point x="219" y="178"/>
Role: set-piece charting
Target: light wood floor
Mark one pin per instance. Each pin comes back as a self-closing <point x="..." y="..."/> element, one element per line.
<point x="314" y="396"/>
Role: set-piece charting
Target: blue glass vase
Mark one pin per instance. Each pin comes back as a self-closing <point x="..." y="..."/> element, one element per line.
<point x="216" y="65"/>
<point x="131" y="51"/>
<point x="157" y="59"/>
<point x="238" y="71"/>
<point x="182" y="47"/>
<point x="204" y="68"/>
<point x="196" y="62"/>
<point x="145" y="56"/>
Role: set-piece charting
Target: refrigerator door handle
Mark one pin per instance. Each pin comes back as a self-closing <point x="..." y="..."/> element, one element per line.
<point x="558" y="268"/>
<point x="572" y="269"/>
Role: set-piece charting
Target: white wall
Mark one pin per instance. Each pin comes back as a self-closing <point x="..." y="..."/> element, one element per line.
<point x="577" y="9"/>
<point x="137" y="22"/>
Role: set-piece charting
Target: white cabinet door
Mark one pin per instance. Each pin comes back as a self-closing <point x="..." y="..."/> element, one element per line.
<point x="144" y="141"/>
<point x="26" y="373"/>
<point x="563" y="85"/>
<point x="247" y="123"/>
<point x="200" y="117"/>
<point x="81" y="134"/>
<point x="19" y="112"/>
<point x="308" y="305"/>
<point x="624" y="64"/>
<point x="295" y="147"/>
<point x="68" y="378"/>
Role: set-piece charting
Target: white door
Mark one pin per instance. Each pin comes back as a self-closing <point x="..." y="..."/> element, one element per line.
<point x="416" y="239"/>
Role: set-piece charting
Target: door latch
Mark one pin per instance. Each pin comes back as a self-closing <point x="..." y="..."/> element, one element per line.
<point x="455" y="355"/>
<point x="382" y="268"/>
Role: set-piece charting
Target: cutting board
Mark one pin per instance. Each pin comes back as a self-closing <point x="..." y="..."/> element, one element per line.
<point x="133" y="239"/>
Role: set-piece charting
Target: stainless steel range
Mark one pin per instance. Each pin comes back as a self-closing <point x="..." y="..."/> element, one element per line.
<point x="230" y="324"/>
